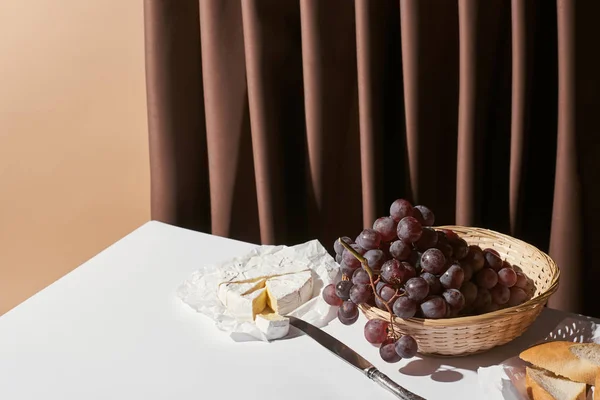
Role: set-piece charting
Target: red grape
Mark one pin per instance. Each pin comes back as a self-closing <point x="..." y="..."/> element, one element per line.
<point x="405" y="307"/>
<point x="376" y="331"/>
<point x="330" y="297"/>
<point x="451" y="312"/>
<point x="348" y="310"/>
<point x="427" y="214"/>
<point x="483" y="298"/>
<point x="500" y="294"/>
<point x="445" y="248"/>
<point x="338" y="247"/>
<point x="433" y="307"/>
<point x="493" y="251"/>
<point x="415" y="259"/>
<point x="361" y="277"/>
<point x="453" y="277"/>
<point x="469" y="291"/>
<point x="342" y="289"/>
<point x="387" y="293"/>
<point x="400" y="208"/>
<point x="348" y="271"/>
<point x="409" y="271"/>
<point x="454" y="298"/>
<point x="386" y="226"/>
<point x="460" y="248"/>
<point x="522" y="280"/>
<point x="492" y="260"/>
<point x="416" y="214"/>
<point x="387" y="351"/>
<point x="400" y="250"/>
<point x="417" y="288"/>
<point x="407" y="347"/>
<point x="349" y="259"/>
<point x="449" y="233"/>
<point x="369" y="239"/>
<point x="475" y="258"/>
<point x="507" y="277"/>
<point x="435" y="287"/>
<point x="375" y="259"/>
<point x="486" y="278"/>
<point x="433" y="261"/>
<point x="394" y="272"/>
<point x="344" y="320"/>
<point x="409" y="229"/>
<point x="517" y="296"/>
<point x="468" y="270"/>
<point x="360" y="294"/>
<point x="427" y="240"/>
<point x="338" y="258"/>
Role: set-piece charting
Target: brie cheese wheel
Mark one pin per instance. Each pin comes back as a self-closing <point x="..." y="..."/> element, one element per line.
<point x="273" y="325"/>
<point x="287" y="292"/>
<point x="265" y="289"/>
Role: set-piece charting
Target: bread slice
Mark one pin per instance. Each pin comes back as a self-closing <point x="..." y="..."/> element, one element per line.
<point x="591" y="353"/>
<point x="542" y="385"/>
<point x="587" y="351"/>
<point x="558" y="359"/>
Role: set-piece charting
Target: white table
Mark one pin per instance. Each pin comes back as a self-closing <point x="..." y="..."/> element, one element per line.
<point x="113" y="329"/>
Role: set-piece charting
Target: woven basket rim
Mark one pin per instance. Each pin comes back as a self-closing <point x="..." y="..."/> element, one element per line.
<point x="536" y="301"/>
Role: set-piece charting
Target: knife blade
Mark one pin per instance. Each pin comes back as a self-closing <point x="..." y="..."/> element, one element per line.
<point x="353" y="358"/>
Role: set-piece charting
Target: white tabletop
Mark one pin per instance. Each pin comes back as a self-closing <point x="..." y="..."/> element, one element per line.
<point x="114" y="329"/>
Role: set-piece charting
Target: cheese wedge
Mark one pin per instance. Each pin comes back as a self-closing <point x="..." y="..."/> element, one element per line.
<point x="244" y="300"/>
<point x="228" y="292"/>
<point x="245" y="307"/>
<point x="288" y="292"/>
<point x="273" y="325"/>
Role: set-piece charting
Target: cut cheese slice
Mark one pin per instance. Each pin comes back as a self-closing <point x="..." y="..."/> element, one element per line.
<point x="273" y="325"/>
<point x="229" y="292"/>
<point x="244" y="300"/>
<point x="245" y="307"/>
<point x="288" y="292"/>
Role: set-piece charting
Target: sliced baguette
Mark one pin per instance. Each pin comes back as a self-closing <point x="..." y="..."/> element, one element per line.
<point x="587" y="351"/>
<point x="542" y="385"/>
<point x="557" y="358"/>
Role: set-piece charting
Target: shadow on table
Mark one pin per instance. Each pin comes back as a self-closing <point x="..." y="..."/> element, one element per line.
<point x="445" y="369"/>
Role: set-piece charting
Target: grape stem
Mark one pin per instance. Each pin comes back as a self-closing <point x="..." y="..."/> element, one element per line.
<point x="365" y="265"/>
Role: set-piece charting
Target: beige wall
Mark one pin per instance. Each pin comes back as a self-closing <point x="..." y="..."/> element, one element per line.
<point x="74" y="172"/>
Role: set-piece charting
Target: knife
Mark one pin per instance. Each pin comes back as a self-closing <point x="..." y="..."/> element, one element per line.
<point x="353" y="358"/>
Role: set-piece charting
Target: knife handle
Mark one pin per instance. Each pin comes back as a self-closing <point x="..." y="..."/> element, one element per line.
<point x="383" y="380"/>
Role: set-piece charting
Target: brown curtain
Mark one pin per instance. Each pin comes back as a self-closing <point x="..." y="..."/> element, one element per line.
<point x="278" y="121"/>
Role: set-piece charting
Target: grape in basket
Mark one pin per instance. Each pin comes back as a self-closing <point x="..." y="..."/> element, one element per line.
<point x="407" y="268"/>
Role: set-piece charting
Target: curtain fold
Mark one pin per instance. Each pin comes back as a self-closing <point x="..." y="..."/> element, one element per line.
<point x="279" y="121"/>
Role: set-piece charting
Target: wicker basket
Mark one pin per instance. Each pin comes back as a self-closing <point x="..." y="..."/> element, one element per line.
<point x="474" y="334"/>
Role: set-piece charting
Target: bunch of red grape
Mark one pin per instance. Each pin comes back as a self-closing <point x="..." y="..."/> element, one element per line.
<point x="409" y="269"/>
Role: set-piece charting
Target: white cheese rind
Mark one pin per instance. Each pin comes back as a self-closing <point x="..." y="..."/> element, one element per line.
<point x="266" y="266"/>
<point x="288" y="292"/>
